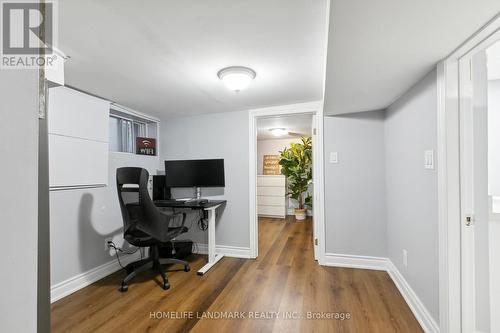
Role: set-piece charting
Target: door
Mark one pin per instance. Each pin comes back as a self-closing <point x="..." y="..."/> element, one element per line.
<point x="316" y="200"/>
<point x="480" y="192"/>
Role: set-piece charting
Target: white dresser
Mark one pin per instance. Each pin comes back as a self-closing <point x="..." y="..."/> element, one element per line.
<point x="271" y="195"/>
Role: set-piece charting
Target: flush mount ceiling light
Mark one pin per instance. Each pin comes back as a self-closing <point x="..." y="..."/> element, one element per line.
<point x="278" y="131"/>
<point x="236" y="78"/>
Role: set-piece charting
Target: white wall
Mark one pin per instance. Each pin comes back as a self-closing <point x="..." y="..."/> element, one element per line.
<point x="222" y="135"/>
<point x="355" y="187"/>
<point x="271" y="147"/>
<point x="412" y="215"/>
<point x="82" y="218"/>
<point x="19" y="200"/>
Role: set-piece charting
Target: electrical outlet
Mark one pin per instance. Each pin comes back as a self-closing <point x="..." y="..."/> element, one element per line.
<point x="106" y="241"/>
<point x="405" y="258"/>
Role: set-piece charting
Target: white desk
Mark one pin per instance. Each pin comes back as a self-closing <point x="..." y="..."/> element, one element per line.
<point x="213" y="256"/>
<point x="210" y="207"/>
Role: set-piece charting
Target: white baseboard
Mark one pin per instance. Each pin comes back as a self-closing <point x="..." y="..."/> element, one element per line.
<point x="423" y="316"/>
<point x="75" y="283"/>
<point x="354" y="261"/>
<point x="234" y="251"/>
<point x="227" y="251"/>
<point x="419" y="310"/>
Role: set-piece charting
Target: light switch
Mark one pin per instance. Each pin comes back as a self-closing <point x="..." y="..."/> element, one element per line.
<point x="334" y="157"/>
<point x="429" y="159"/>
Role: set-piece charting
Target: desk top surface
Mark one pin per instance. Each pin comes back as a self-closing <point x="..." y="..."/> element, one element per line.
<point x="188" y="204"/>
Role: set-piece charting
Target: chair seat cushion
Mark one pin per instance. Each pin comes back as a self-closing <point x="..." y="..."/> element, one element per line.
<point x="138" y="237"/>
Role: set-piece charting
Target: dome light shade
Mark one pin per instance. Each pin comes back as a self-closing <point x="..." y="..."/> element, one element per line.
<point x="278" y="131"/>
<point x="236" y="78"/>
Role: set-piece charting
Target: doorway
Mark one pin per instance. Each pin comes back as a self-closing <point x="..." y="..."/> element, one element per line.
<point x="294" y="122"/>
<point x="480" y="187"/>
<point x="466" y="190"/>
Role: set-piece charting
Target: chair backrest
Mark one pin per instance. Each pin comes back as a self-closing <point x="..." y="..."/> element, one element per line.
<point x="143" y="215"/>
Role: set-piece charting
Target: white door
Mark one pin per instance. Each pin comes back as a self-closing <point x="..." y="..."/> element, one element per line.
<point x="316" y="170"/>
<point x="480" y="192"/>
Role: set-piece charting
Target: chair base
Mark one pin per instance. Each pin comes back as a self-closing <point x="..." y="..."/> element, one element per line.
<point x="152" y="262"/>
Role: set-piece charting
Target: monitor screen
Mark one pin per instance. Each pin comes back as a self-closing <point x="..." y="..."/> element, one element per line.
<point x="194" y="173"/>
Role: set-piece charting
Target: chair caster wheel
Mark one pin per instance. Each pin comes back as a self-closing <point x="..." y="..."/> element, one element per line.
<point x="124" y="287"/>
<point x="187" y="268"/>
<point x="166" y="286"/>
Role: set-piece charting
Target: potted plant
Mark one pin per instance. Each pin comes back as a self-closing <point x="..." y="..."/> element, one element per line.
<point x="296" y="162"/>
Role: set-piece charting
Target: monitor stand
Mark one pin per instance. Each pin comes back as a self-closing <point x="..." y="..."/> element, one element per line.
<point x="197" y="193"/>
<point x="197" y="196"/>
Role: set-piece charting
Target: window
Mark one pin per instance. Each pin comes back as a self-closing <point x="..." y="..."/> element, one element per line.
<point x="123" y="133"/>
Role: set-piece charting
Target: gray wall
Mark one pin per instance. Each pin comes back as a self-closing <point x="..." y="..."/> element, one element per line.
<point x="222" y="135"/>
<point x="19" y="200"/>
<point x="412" y="212"/>
<point x="355" y="187"/>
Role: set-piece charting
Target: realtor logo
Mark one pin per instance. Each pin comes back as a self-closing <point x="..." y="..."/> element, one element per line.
<point x="27" y="34"/>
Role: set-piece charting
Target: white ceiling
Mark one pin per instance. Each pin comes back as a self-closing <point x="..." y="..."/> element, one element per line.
<point x="162" y="57"/>
<point x="493" y="54"/>
<point x="378" y="49"/>
<point x="297" y="125"/>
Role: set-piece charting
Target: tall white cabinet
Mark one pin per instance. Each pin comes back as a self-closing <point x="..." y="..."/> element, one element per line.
<point x="271" y="196"/>
<point x="78" y="139"/>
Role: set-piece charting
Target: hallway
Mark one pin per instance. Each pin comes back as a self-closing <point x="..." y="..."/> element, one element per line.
<point x="281" y="291"/>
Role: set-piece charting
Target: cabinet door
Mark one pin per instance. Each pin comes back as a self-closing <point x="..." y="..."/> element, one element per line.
<point x="75" y="114"/>
<point x="78" y="139"/>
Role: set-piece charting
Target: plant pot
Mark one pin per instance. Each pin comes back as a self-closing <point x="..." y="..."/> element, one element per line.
<point x="300" y="214"/>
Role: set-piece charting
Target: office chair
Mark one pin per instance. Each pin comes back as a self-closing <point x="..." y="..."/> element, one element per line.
<point x="144" y="225"/>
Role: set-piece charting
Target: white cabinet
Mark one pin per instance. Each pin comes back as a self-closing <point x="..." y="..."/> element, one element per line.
<point x="271" y="195"/>
<point x="78" y="127"/>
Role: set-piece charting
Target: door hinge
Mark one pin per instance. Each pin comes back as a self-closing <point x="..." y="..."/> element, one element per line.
<point x="469" y="220"/>
<point x="314" y="131"/>
<point x="316" y="241"/>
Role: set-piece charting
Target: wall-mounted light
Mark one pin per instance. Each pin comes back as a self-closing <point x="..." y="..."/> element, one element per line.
<point x="278" y="131"/>
<point x="236" y="78"/>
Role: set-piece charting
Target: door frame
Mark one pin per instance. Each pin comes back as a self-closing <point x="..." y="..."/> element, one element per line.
<point x="449" y="151"/>
<point x="312" y="108"/>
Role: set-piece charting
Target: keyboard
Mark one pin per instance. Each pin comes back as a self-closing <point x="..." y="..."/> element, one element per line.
<point x="168" y="201"/>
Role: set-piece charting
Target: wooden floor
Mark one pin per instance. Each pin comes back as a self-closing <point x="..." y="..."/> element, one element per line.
<point x="281" y="291"/>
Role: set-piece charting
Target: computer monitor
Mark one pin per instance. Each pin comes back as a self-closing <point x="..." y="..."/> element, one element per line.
<point x="160" y="191"/>
<point x="195" y="173"/>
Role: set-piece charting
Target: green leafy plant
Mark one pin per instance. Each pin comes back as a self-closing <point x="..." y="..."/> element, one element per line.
<point x="296" y="165"/>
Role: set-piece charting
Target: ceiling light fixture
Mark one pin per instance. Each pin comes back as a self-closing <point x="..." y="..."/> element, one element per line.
<point x="236" y="78"/>
<point x="278" y="131"/>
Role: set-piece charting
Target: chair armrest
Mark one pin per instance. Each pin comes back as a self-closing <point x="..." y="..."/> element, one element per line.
<point x="175" y="230"/>
<point x="182" y="215"/>
<point x="171" y="217"/>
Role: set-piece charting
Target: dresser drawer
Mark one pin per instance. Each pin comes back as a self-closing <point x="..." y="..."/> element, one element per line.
<point x="278" y="181"/>
<point x="271" y="191"/>
<point x="266" y="200"/>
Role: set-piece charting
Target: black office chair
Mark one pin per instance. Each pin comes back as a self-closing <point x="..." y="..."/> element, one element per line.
<point x="144" y="225"/>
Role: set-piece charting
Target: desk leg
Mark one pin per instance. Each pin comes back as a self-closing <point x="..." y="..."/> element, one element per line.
<point x="213" y="256"/>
